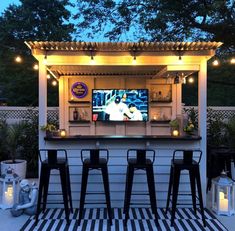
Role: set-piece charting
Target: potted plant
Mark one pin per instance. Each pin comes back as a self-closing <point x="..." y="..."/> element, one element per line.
<point x="50" y="129"/>
<point x="189" y="128"/>
<point x="13" y="134"/>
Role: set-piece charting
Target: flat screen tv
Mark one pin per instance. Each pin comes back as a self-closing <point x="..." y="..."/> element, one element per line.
<point x="120" y="105"/>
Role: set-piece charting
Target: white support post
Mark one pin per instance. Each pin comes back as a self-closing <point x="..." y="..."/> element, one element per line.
<point x="42" y="102"/>
<point x="202" y="115"/>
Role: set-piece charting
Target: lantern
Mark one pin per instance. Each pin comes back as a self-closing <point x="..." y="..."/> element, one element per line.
<point x="8" y="189"/>
<point x="223" y="195"/>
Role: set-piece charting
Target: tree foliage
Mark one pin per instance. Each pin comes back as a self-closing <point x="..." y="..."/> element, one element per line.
<point x="32" y="20"/>
<point x="159" y="20"/>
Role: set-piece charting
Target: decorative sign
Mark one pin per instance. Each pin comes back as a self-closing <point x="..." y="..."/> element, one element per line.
<point x="79" y="90"/>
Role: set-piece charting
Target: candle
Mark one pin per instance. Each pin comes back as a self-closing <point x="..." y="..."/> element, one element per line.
<point x="175" y="132"/>
<point x="224" y="205"/>
<point x="9" y="195"/>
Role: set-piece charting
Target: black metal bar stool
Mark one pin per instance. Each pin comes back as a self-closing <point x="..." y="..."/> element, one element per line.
<point x="94" y="161"/>
<point x="140" y="161"/>
<point x="186" y="162"/>
<point x="54" y="162"/>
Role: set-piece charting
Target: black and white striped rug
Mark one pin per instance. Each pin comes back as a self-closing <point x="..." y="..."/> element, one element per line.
<point x="141" y="219"/>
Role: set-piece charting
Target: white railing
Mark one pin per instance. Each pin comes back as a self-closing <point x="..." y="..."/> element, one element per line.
<point x="16" y="114"/>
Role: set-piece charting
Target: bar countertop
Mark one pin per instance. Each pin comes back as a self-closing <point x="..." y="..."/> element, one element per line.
<point x="116" y="137"/>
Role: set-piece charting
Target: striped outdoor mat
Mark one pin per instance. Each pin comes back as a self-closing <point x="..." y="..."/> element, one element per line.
<point x="141" y="219"/>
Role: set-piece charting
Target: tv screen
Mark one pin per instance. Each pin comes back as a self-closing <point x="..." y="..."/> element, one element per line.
<point x="120" y="105"/>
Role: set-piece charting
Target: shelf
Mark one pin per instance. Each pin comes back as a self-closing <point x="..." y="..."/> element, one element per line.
<point x="78" y="121"/>
<point x="160" y="121"/>
<point x="78" y="102"/>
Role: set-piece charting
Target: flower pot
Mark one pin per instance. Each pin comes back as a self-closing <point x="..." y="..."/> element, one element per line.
<point x="19" y="167"/>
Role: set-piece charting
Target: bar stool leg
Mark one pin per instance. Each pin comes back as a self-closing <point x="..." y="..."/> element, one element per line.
<point x="169" y="189"/>
<point x="193" y="189"/>
<point x="152" y="192"/>
<point x="176" y="179"/>
<point x="107" y="191"/>
<point x="45" y="188"/>
<point x="63" y="179"/>
<point x="41" y="186"/>
<point x="69" y="188"/>
<point x="85" y="171"/>
<point x="129" y="189"/>
<point x="124" y="207"/>
<point x="198" y="179"/>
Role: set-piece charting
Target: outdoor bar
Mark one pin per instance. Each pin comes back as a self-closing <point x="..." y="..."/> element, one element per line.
<point x="153" y="73"/>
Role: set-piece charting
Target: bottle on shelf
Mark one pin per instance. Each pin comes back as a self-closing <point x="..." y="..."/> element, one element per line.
<point x="75" y="114"/>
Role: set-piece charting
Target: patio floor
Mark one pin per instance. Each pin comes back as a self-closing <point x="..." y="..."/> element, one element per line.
<point x="140" y="219"/>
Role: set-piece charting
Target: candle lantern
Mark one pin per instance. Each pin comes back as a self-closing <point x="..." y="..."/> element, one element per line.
<point x="223" y="195"/>
<point x="63" y="133"/>
<point x="9" y="184"/>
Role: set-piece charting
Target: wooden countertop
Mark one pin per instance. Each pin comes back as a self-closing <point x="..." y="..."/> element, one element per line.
<point x="108" y="137"/>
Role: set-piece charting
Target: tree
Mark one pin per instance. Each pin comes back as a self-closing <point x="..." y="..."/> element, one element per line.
<point x="32" y="20"/>
<point x="159" y="20"/>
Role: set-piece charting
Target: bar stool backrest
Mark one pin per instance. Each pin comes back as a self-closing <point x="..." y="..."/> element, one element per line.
<point x="188" y="156"/>
<point x="52" y="155"/>
<point x="141" y="155"/>
<point x="94" y="155"/>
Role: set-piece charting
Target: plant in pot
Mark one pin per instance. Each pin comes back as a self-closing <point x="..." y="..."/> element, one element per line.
<point x="12" y="148"/>
<point x="50" y="129"/>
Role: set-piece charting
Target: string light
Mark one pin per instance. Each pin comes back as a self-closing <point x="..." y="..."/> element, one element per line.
<point x="92" y="61"/>
<point x="191" y="80"/>
<point x="45" y="60"/>
<point x="180" y="61"/>
<point x="134" y="61"/>
<point x="35" y="67"/>
<point x="215" y="62"/>
<point x="54" y="83"/>
<point x="232" y="61"/>
<point x="48" y="76"/>
<point x="18" y="59"/>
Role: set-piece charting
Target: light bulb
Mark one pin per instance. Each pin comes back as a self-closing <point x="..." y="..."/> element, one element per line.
<point x="180" y="61"/>
<point x="134" y="61"/>
<point x="45" y="60"/>
<point x="54" y="83"/>
<point x="48" y="76"/>
<point x="191" y="80"/>
<point x="35" y="67"/>
<point x="92" y="61"/>
<point x="18" y="59"/>
<point x="232" y="61"/>
<point x="215" y="62"/>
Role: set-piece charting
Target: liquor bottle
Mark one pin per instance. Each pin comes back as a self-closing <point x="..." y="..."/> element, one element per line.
<point x="75" y="114"/>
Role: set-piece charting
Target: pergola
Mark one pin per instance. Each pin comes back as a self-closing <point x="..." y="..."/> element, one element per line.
<point x="112" y="60"/>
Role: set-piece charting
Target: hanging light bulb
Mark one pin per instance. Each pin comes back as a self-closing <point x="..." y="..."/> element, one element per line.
<point x="54" y="83"/>
<point x="92" y="61"/>
<point x="35" y="67"/>
<point x="191" y="80"/>
<point x="232" y="61"/>
<point x="134" y="61"/>
<point x="180" y="61"/>
<point x="45" y="60"/>
<point x="215" y="62"/>
<point x="18" y="59"/>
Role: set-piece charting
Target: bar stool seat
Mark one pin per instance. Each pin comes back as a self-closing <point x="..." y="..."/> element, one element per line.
<point x="94" y="162"/>
<point x="187" y="162"/>
<point x="61" y="164"/>
<point x="101" y="161"/>
<point x="140" y="163"/>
